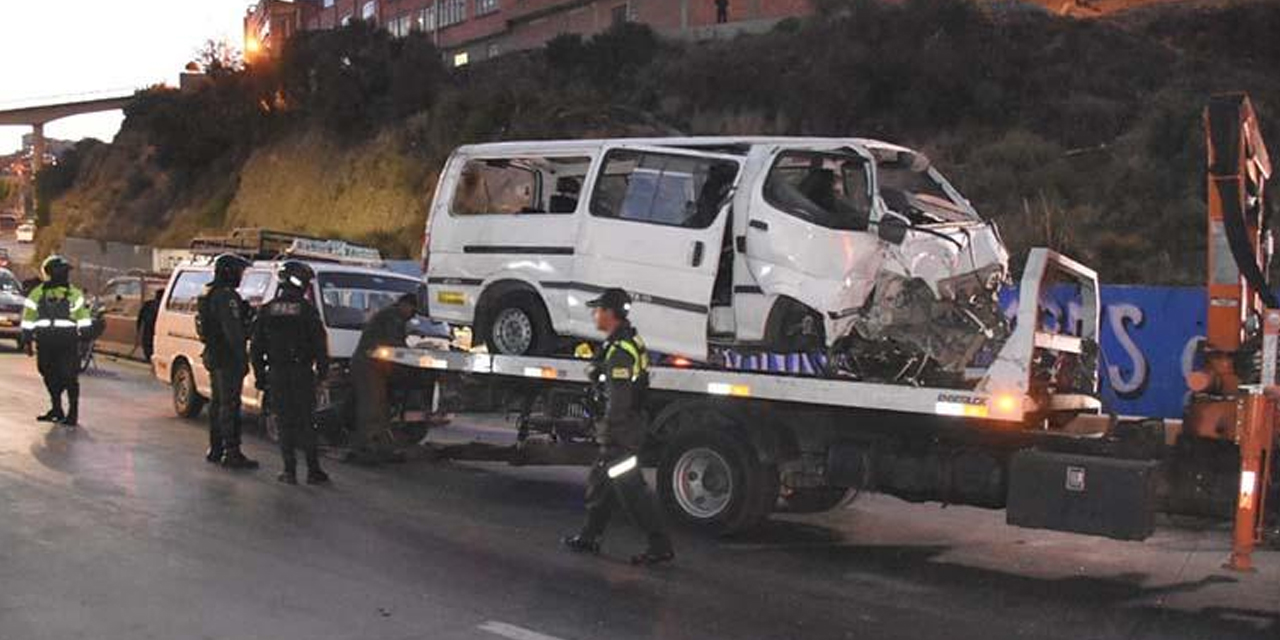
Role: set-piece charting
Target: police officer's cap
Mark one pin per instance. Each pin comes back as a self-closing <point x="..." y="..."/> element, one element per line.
<point x="613" y="299"/>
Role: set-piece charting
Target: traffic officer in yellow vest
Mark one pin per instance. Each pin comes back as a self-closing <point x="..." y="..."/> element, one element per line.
<point x="620" y="375"/>
<point x="56" y="313"/>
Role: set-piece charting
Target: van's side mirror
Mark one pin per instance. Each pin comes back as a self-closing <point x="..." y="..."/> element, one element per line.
<point x="892" y="229"/>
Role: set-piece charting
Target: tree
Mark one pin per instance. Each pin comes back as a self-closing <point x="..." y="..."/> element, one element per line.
<point x="219" y="57"/>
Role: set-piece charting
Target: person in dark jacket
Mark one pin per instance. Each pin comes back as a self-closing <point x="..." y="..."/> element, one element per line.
<point x="56" y="314"/>
<point x="145" y="325"/>
<point x="620" y="375"/>
<point x="289" y="355"/>
<point x="222" y="321"/>
<point x="372" y="377"/>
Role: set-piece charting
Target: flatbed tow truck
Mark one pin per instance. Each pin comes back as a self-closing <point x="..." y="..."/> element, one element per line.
<point x="1029" y="436"/>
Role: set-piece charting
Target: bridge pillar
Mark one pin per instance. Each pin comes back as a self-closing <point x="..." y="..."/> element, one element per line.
<point x="37" y="163"/>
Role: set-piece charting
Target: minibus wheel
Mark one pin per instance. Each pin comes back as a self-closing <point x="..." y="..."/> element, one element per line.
<point x="518" y="325"/>
<point x="187" y="402"/>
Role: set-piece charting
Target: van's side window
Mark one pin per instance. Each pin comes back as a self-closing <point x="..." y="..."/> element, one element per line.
<point x="827" y="189"/>
<point x="253" y="287"/>
<point x="524" y="185"/>
<point x="186" y="288"/>
<point x="673" y="190"/>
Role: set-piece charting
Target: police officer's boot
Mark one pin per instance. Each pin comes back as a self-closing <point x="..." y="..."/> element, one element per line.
<point x="73" y="414"/>
<point x="315" y="475"/>
<point x="659" y="551"/>
<point x="234" y="459"/>
<point x="54" y="414"/>
<point x="581" y="544"/>
<point x="290" y="473"/>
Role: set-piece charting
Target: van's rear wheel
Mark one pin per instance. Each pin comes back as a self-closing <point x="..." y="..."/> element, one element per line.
<point x="187" y="402"/>
<point x="518" y="326"/>
<point x="711" y="479"/>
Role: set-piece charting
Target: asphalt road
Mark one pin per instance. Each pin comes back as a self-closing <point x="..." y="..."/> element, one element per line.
<point x="121" y="530"/>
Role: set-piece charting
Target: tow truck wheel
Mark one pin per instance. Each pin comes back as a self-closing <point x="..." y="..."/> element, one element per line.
<point x="187" y="402"/>
<point x="711" y="480"/>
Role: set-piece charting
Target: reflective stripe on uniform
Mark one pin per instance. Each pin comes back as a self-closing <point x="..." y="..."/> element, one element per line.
<point x="623" y="466"/>
<point x="31" y="304"/>
<point x="84" y="322"/>
<point x="28" y="325"/>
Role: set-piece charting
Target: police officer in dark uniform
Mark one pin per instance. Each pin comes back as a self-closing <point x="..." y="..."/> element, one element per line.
<point x="620" y="373"/>
<point x="289" y="355"/>
<point x="222" y="322"/>
<point x="55" y="316"/>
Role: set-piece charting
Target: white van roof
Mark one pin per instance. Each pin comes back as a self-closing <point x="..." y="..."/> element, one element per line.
<point x="719" y="143"/>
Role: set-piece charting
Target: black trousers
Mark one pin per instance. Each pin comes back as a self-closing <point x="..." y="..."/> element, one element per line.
<point x="626" y="490"/>
<point x="371" y="380"/>
<point x="224" y="407"/>
<point x="58" y="361"/>
<point x="292" y="391"/>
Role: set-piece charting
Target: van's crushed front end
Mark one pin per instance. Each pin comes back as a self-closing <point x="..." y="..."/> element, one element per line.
<point x="932" y="311"/>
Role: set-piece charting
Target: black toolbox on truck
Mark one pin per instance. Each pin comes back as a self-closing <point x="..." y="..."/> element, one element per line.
<point x="1083" y="494"/>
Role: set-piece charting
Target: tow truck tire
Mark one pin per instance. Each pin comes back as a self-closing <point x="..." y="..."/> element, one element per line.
<point x="712" y="481"/>
<point x="187" y="402"/>
<point x="517" y="325"/>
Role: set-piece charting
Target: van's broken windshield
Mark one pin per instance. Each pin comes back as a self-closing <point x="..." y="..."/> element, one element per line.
<point x="910" y="186"/>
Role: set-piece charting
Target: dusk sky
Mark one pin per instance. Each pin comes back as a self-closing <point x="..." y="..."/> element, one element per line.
<point x="63" y="48"/>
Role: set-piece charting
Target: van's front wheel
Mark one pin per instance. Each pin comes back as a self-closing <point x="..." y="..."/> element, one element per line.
<point x="518" y="326"/>
<point x="187" y="402"/>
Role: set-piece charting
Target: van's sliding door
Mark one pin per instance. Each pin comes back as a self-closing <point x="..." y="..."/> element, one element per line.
<point x="655" y="228"/>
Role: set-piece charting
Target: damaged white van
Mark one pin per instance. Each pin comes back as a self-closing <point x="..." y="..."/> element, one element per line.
<point x="855" y="248"/>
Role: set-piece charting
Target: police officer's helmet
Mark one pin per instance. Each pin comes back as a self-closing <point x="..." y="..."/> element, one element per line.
<point x="296" y="275"/>
<point x="615" y="300"/>
<point x="55" y="267"/>
<point x="229" y="268"/>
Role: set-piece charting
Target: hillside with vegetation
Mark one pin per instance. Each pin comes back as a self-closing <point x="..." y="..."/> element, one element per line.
<point x="1083" y="135"/>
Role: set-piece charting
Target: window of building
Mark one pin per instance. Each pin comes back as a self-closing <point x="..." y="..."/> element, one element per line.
<point x="492" y="50"/>
<point x="670" y="190"/>
<point x="401" y="25"/>
<point x="451" y="12"/>
<point x="346" y="19"/>
<point x="328" y="3"/>
<point x="619" y="15"/>
<point x="523" y="185"/>
<point x="486" y="6"/>
<point x="461" y="59"/>
<point x="369" y="11"/>
<point x="186" y="289"/>
<point x="427" y="19"/>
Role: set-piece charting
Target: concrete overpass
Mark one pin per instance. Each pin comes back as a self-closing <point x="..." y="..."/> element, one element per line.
<point x="38" y="115"/>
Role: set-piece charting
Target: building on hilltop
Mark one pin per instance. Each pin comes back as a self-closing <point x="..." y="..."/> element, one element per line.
<point x="473" y="30"/>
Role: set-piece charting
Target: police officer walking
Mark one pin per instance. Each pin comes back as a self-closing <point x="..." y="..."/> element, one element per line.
<point x="620" y="374"/>
<point x="54" y="317"/>
<point x="289" y="355"/>
<point x="221" y="321"/>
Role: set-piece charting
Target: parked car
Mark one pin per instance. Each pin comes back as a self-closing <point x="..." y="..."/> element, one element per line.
<point x="26" y="232"/>
<point x="119" y="302"/>
<point x="775" y="244"/>
<point x="12" y="301"/>
<point x="348" y="296"/>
